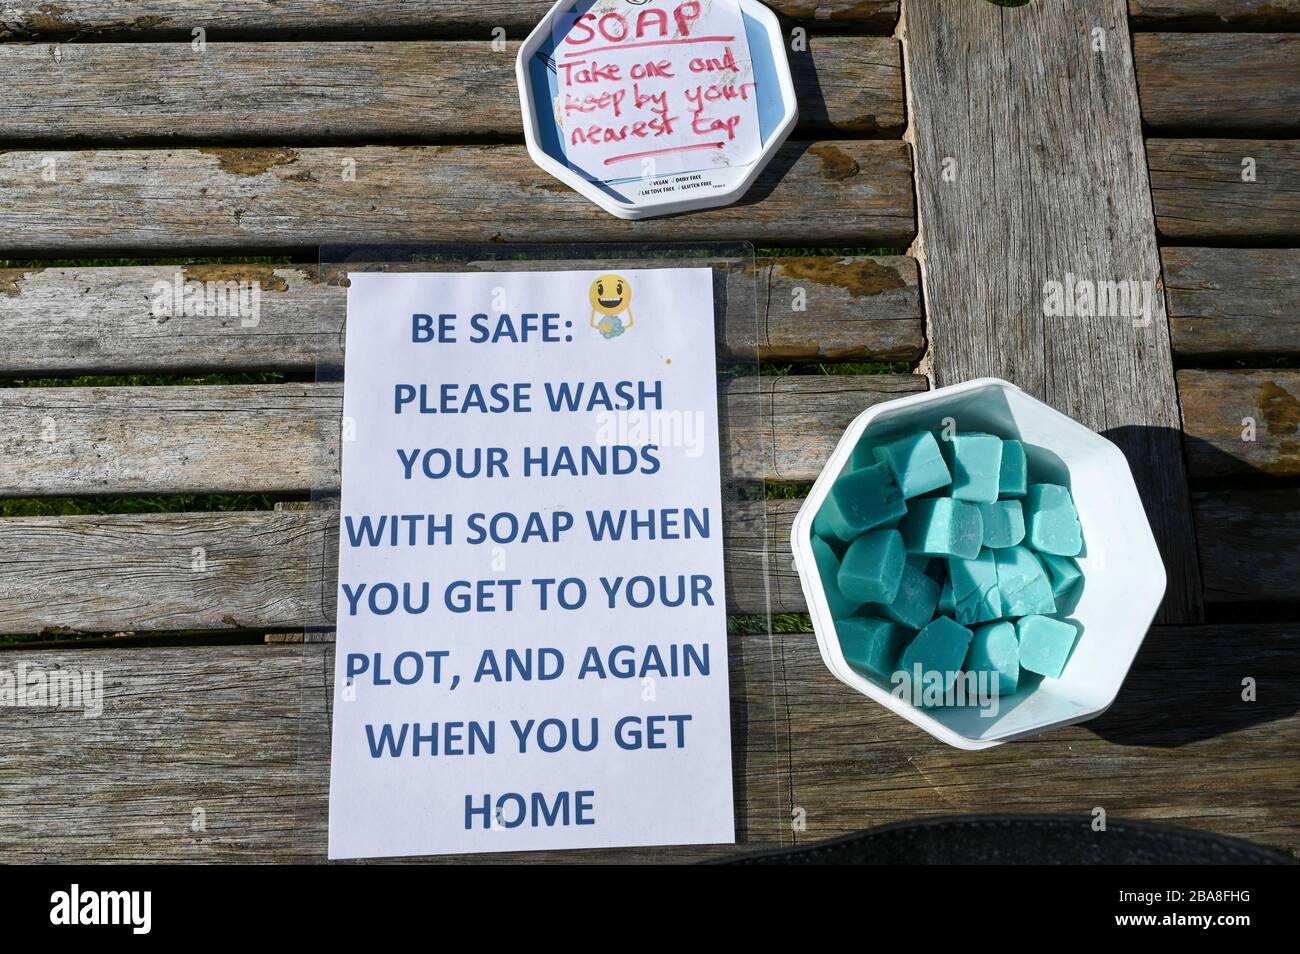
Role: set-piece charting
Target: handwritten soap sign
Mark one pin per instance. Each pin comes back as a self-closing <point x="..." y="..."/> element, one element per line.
<point x="531" y="633"/>
<point x="656" y="87"/>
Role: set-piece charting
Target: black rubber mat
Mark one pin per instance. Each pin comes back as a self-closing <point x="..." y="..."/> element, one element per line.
<point x="1023" y="839"/>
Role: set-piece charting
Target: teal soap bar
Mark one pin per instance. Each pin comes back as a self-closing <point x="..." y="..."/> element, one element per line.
<point x="1013" y="479"/>
<point x="1045" y="644"/>
<point x="975" y="461"/>
<point x="872" y="568"/>
<point x="828" y="568"/>
<point x="870" y="645"/>
<point x="939" y="648"/>
<point x="916" y="463"/>
<point x="975" y="593"/>
<point x="941" y="526"/>
<point x="994" y="648"/>
<point x="1063" y="572"/>
<point x="1052" y="521"/>
<point x="860" y="501"/>
<point x="917" y="597"/>
<point x="1022" y="582"/>
<point x="1004" y="523"/>
<point x="947" y="604"/>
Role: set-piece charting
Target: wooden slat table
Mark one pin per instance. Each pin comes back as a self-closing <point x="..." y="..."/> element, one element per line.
<point x="230" y="19"/>
<point x="347" y="91"/>
<point x="164" y="201"/>
<point x="100" y="320"/>
<point x="1078" y="165"/>
<point x="121" y="139"/>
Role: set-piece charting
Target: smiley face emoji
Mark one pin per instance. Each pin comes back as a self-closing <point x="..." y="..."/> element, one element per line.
<point x="611" y="298"/>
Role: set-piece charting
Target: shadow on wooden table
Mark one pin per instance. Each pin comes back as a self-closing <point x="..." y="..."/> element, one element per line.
<point x="777" y="168"/>
<point x="1191" y="683"/>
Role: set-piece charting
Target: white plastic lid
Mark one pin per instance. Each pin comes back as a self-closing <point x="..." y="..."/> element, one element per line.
<point x="651" y="107"/>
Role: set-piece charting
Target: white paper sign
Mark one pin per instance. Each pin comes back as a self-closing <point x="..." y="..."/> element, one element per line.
<point x="656" y="88"/>
<point x="531" y="621"/>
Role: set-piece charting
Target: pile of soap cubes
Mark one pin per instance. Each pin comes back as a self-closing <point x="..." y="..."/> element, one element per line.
<point x="939" y="550"/>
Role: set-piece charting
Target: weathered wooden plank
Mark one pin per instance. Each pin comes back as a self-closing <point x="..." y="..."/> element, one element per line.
<point x="424" y="91"/>
<point x="231" y="19"/>
<point x="1245" y="83"/>
<point x="251" y="19"/>
<point x="800" y="420"/>
<point x="1230" y="302"/>
<point x="168" y="439"/>
<point x="1241" y="423"/>
<point x="1215" y="14"/>
<point x="127" y="786"/>
<point x="823" y="193"/>
<point x="1250" y="545"/>
<point x="265" y="569"/>
<point x="999" y="224"/>
<point x="837" y="309"/>
<point x="114" y="320"/>
<point x="157" y="776"/>
<point x="254" y="570"/>
<point x="283" y="438"/>
<point x="1235" y="191"/>
<point x="152" y="572"/>
<point x="1208" y="761"/>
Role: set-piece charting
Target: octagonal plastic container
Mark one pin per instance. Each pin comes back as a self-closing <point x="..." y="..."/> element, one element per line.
<point x="1124" y="577"/>
<point x="638" y="197"/>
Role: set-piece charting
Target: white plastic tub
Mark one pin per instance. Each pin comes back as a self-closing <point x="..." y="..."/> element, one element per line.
<point x="1124" y="578"/>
